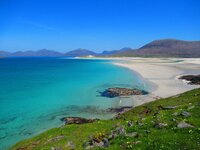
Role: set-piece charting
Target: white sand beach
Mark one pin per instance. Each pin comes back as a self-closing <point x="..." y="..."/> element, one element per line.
<point x="163" y="74"/>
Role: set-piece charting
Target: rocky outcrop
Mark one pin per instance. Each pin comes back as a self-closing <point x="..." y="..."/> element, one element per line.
<point x="70" y="145"/>
<point x="117" y="91"/>
<point x="183" y="124"/>
<point x="119" y="110"/>
<point x="102" y="140"/>
<point x="57" y="138"/>
<point x="192" y="79"/>
<point x="77" y="120"/>
<point x="160" y="125"/>
<point x="185" y="114"/>
<point x="166" y="107"/>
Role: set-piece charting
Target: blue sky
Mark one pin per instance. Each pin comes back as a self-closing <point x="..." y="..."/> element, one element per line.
<point x="97" y="25"/>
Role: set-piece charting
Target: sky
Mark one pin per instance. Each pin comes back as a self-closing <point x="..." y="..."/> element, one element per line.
<point x="98" y="25"/>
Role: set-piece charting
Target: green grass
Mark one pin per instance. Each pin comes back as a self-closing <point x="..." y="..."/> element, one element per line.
<point x="167" y="138"/>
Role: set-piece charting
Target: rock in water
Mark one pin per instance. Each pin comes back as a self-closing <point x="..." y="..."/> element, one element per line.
<point x="115" y="92"/>
<point x="77" y="120"/>
<point x="193" y="79"/>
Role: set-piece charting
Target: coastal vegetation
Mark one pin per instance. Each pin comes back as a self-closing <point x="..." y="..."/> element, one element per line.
<point x="170" y="123"/>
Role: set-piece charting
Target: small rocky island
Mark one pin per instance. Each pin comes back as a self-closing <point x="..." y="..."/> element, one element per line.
<point x="192" y="79"/>
<point x="117" y="91"/>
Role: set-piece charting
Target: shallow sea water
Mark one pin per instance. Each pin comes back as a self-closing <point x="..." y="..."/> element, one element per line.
<point x="36" y="92"/>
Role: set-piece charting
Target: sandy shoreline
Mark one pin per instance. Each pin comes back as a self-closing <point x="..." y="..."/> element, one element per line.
<point x="162" y="74"/>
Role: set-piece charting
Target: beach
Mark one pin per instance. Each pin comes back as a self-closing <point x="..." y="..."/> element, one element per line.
<point x="162" y="75"/>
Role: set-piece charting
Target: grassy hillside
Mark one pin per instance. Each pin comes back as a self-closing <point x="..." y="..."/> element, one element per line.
<point x="150" y="126"/>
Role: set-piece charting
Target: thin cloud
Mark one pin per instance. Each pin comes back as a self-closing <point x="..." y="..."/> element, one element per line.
<point x="43" y="26"/>
<point x="39" y="25"/>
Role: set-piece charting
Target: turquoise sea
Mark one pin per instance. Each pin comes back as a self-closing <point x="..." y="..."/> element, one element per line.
<point x="36" y="92"/>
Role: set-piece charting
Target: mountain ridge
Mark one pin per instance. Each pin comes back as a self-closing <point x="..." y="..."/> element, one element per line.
<point x="165" y="48"/>
<point x="79" y="52"/>
<point x="156" y="48"/>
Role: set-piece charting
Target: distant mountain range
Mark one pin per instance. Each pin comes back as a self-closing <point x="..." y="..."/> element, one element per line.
<point x="115" y="51"/>
<point x="4" y="54"/>
<point x="157" y="48"/>
<point x="80" y="52"/>
<point x="39" y="53"/>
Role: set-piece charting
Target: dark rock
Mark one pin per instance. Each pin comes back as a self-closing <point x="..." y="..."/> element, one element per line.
<point x="146" y="110"/>
<point x="120" y="131"/>
<point x="116" y="132"/>
<point x="156" y="113"/>
<point x="120" y="110"/>
<point x="118" y="116"/>
<point x="193" y="79"/>
<point x="77" y="120"/>
<point x="185" y="114"/>
<point x="160" y="125"/>
<point x="130" y="123"/>
<point x="99" y="141"/>
<point x="166" y="107"/>
<point x="183" y="124"/>
<point x="115" y="92"/>
<point x="112" y="136"/>
<point x="106" y="142"/>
